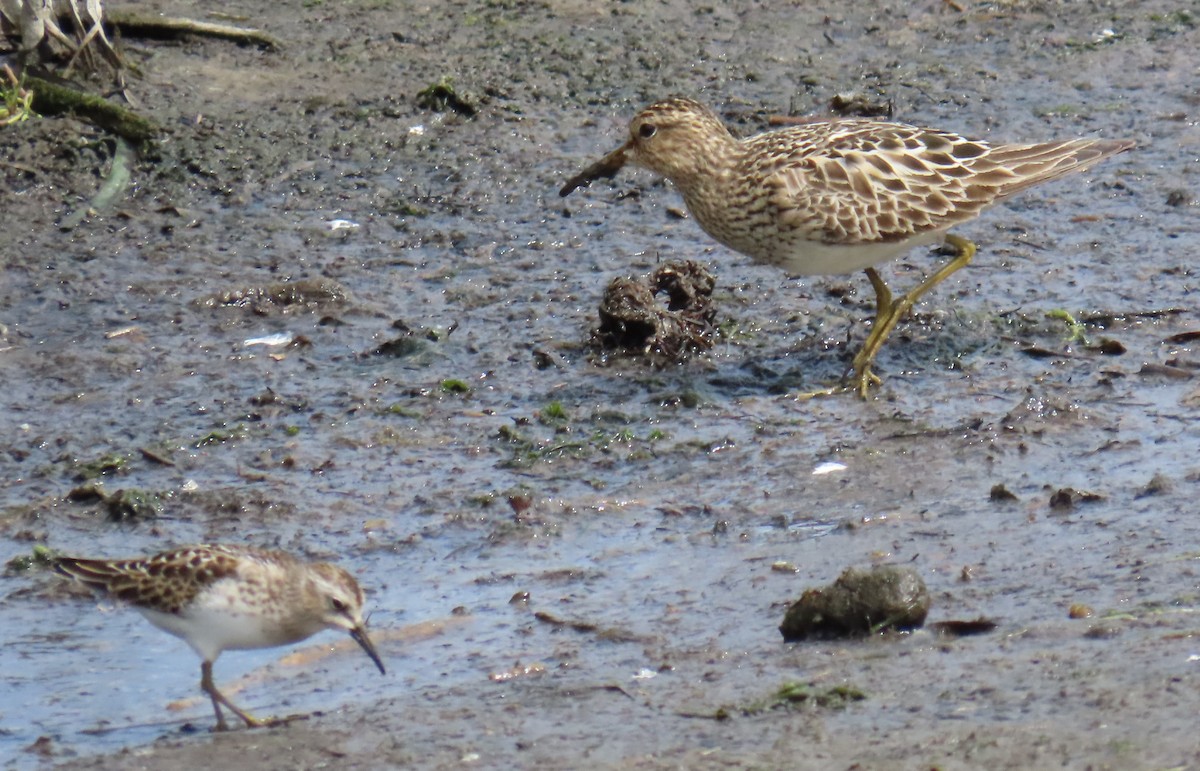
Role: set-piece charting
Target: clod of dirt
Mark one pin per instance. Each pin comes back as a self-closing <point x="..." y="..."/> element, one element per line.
<point x="958" y="628"/>
<point x="127" y="505"/>
<point x="861" y="106"/>
<point x="1107" y="346"/>
<point x="1001" y="493"/>
<point x="1158" y="485"/>
<point x="414" y="342"/>
<point x="443" y="97"/>
<point x="1079" y="610"/>
<point x="791" y="695"/>
<point x="859" y="603"/>
<point x="633" y="319"/>
<point x="1179" y="197"/>
<point x="1069" y="497"/>
<point x="42" y="747"/>
<point x="121" y="505"/>
<point x="283" y="297"/>
<point x="1164" y="372"/>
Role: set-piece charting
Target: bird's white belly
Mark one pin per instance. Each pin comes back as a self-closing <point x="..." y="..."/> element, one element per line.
<point x="817" y="258"/>
<point x="210" y="631"/>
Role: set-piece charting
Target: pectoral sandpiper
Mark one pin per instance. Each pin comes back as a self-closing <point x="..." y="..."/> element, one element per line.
<point x="838" y="196"/>
<point x="219" y="598"/>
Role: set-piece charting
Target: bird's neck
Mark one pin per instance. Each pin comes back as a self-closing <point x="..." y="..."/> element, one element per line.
<point x="705" y="168"/>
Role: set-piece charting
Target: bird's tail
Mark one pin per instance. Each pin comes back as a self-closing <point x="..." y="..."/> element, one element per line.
<point x="1027" y="165"/>
<point x="93" y="573"/>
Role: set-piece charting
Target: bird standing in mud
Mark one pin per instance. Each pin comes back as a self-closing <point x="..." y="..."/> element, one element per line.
<point x="219" y="598"/>
<point x="838" y="196"/>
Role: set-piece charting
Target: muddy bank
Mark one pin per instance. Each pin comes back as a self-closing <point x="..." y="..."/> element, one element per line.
<point x="436" y="425"/>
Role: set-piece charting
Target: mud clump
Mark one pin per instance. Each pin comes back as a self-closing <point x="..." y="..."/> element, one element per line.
<point x="415" y="343"/>
<point x="282" y="297"/>
<point x="859" y="603"/>
<point x="442" y="96"/>
<point x="633" y="318"/>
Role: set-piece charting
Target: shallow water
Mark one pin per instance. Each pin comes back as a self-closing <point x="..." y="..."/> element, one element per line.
<point x="663" y="499"/>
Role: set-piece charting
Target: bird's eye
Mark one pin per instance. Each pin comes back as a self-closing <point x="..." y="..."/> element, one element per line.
<point x="647" y="130"/>
<point x="337" y="605"/>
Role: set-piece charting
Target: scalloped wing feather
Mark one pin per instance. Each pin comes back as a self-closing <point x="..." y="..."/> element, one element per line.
<point x="859" y="181"/>
<point x="140" y="582"/>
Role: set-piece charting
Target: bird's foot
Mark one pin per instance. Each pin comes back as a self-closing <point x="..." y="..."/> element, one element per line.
<point x="831" y="391"/>
<point x="258" y="722"/>
<point x="863" y="379"/>
<point x="858" y="379"/>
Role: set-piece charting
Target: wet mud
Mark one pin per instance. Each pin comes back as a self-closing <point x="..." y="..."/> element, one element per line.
<point x="343" y="311"/>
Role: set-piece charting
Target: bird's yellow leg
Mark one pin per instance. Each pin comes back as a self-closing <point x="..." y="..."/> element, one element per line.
<point x="863" y="376"/>
<point x="888" y="312"/>
<point x="885" y="312"/>
<point x="218" y="698"/>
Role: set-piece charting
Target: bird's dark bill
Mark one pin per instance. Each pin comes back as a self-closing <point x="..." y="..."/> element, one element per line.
<point x="605" y="168"/>
<point x="360" y="636"/>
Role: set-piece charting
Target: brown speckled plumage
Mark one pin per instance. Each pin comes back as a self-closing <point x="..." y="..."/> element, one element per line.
<point x="218" y="597"/>
<point x="165" y="582"/>
<point x="838" y="196"/>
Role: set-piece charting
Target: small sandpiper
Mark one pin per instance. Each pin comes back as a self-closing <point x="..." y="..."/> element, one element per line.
<point x="220" y="597"/>
<point x="838" y="196"/>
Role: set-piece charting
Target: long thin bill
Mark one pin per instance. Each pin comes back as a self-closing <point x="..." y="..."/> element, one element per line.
<point x="605" y="168"/>
<point x="360" y="636"/>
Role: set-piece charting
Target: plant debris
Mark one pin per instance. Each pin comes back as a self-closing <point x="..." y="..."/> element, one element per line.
<point x="633" y="318"/>
<point x="443" y="97"/>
